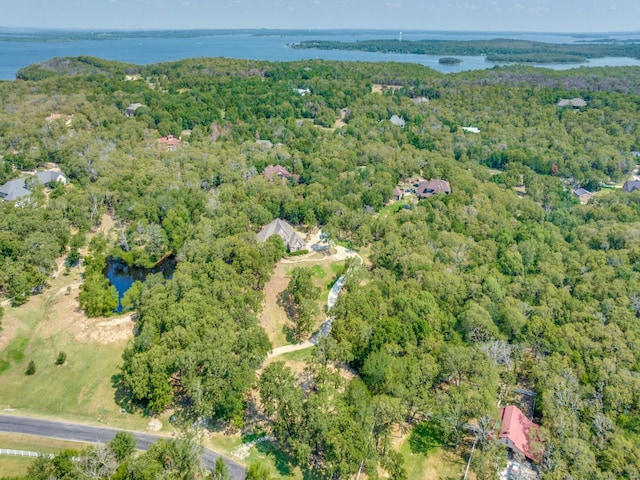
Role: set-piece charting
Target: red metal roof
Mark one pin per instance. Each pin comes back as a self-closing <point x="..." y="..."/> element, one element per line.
<point x="517" y="428"/>
<point x="169" y="140"/>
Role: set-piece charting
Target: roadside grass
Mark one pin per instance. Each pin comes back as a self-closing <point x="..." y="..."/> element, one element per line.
<point x="14" y="466"/>
<point x="297" y="356"/>
<point x="79" y="390"/>
<point x="11" y="466"/>
<point x="33" y="443"/>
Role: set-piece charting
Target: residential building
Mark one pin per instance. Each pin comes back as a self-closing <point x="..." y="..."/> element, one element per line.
<point x="428" y="188"/>
<point x="631" y="185"/>
<point x="19" y="188"/>
<point x="131" y="109"/>
<point x="289" y="236"/>
<point x="583" y="195"/>
<point x="573" y="102"/>
<point x="277" y="171"/>
<point x="169" y="141"/>
<point x="397" y="121"/>
<point x="519" y="433"/>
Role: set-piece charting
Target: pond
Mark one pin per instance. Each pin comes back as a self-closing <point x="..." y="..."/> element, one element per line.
<point x="122" y="275"/>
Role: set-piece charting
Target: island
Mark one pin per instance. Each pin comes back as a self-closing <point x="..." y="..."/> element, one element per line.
<point x="449" y="61"/>
<point x="504" y="50"/>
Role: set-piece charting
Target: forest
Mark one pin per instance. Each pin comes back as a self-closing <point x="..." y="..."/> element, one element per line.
<point x="496" y="50"/>
<point x="506" y="284"/>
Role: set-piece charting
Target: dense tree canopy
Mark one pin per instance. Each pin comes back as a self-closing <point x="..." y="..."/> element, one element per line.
<point x="508" y="282"/>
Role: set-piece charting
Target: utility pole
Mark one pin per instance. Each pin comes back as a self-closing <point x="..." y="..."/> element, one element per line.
<point x="470" y="455"/>
<point x="368" y="443"/>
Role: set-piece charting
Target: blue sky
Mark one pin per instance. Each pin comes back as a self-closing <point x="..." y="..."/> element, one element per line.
<point x="472" y="15"/>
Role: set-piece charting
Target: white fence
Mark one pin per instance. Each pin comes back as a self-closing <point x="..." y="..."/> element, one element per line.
<point x="23" y="453"/>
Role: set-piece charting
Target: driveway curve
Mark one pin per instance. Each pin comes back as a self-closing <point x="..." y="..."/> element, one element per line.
<point x="85" y="433"/>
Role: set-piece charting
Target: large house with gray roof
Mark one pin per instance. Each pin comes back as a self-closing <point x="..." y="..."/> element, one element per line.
<point x="289" y="236"/>
<point x="631" y="185"/>
<point x="19" y="188"/>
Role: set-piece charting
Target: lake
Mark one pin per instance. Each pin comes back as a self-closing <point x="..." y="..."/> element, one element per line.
<point x="273" y="46"/>
<point x="122" y="275"/>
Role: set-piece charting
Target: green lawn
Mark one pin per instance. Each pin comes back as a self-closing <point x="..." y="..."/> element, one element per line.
<point x="14" y="466"/>
<point x="438" y="464"/>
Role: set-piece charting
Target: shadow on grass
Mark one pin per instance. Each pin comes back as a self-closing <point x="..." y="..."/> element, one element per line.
<point x="123" y="396"/>
<point x="425" y="437"/>
<point x="283" y="462"/>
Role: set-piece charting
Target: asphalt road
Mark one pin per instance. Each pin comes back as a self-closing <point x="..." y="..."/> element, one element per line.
<point x="85" y="433"/>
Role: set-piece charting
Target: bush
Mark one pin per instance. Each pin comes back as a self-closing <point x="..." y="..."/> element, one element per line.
<point x="61" y="358"/>
<point x="31" y="369"/>
<point x="298" y="253"/>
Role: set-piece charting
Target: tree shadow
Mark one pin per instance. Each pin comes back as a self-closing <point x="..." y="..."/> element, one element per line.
<point x="286" y="301"/>
<point x="123" y="397"/>
<point x="425" y="437"/>
<point x="283" y="462"/>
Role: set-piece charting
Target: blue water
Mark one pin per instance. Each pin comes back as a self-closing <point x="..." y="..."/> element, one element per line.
<point x="122" y="275"/>
<point x="15" y="54"/>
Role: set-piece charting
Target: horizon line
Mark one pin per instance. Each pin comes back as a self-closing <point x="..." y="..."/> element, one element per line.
<point x="310" y="29"/>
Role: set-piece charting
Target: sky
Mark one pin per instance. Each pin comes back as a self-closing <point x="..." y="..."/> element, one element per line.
<point x="461" y="15"/>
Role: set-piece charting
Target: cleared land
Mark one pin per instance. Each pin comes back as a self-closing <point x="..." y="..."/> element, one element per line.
<point x="81" y="389"/>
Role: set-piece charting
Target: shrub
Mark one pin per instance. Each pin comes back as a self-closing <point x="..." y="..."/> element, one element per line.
<point x="31" y="369"/>
<point x="298" y="253"/>
<point x="61" y="358"/>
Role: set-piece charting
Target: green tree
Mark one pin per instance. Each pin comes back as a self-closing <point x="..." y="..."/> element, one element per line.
<point x="258" y="471"/>
<point x="61" y="358"/>
<point x="123" y="444"/>
<point x="220" y="471"/>
<point x="302" y="304"/>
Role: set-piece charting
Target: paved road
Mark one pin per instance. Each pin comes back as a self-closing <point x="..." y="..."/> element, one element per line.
<point x="85" y="433"/>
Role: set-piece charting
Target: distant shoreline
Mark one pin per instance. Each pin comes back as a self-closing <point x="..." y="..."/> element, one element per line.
<point x="20" y="47"/>
<point x="11" y="34"/>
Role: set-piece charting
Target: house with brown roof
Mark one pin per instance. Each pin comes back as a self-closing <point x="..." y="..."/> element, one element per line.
<point x="398" y="193"/>
<point x="428" y="188"/>
<point x="519" y="433"/>
<point x="277" y="171"/>
<point x="289" y="236"/>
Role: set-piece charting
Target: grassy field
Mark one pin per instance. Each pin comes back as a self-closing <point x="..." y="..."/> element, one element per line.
<point x="82" y="388"/>
<point x="14" y="466"/>
<point x="273" y="317"/>
<point x="438" y="464"/>
<point x="17" y="466"/>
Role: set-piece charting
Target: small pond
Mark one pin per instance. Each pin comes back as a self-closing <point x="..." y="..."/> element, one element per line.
<point x="122" y="275"/>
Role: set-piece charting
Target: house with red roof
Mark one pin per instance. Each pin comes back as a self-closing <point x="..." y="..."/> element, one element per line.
<point x="519" y="433"/>
<point x="169" y="141"/>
